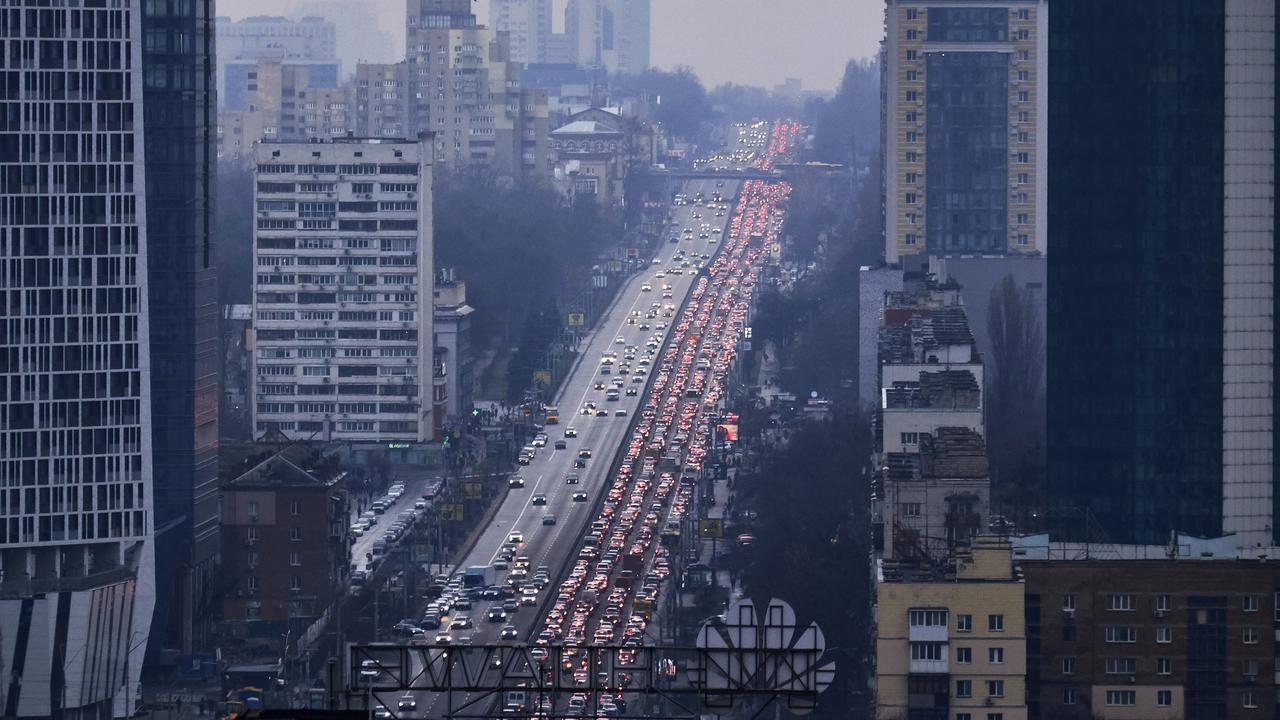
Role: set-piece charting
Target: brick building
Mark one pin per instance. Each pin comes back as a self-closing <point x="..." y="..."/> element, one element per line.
<point x="1153" y="639"/>
<point x="285" y="545"/>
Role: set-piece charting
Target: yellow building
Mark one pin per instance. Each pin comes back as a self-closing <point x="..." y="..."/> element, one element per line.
<point x="964" y="127"/>
<point x="951" y="645"/>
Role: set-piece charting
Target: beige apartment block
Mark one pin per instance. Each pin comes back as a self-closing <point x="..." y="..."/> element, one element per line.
<point x="964" y="131"/>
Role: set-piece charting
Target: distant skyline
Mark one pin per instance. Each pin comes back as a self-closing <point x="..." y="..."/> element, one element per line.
<point x="720" y="39"/>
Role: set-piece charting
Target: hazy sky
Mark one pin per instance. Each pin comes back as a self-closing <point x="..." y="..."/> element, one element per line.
<point x="753" y="42"/>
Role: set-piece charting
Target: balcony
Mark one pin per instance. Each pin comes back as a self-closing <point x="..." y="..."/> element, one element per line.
<point x="930" y="667"/>
<point x="927" y="633"/>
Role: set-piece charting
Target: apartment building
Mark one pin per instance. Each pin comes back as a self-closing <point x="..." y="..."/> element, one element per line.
<point x="286" y="550"/>
<point x="950" y="643"/>
<point x="343" y="316"/>
<point x="936" y="499"/>
<point x="310" y="42"/>
<point x="611" y="34"/>
<point x="1169" y="634"/>
<point x="527" y="23"/>
<point x="77" y="554"/>
<point x="283" y="105"/>
<point x="964" y="127"/>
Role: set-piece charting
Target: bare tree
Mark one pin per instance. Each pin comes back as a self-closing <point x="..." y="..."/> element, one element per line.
<point x="1015" y="399"/>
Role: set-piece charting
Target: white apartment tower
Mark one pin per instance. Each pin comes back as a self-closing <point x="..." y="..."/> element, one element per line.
<point x="77" y="575"/>
<point x="342" y="290"/>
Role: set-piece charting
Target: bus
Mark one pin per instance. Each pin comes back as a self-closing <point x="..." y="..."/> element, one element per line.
<point x="552" y="413"/>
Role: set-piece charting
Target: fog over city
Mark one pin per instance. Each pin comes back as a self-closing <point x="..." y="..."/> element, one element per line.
<point x="752" y="42"/>
<point x="639" y="360"/>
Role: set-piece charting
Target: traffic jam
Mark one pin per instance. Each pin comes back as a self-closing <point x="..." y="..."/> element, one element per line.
<point x="622" y="564"/>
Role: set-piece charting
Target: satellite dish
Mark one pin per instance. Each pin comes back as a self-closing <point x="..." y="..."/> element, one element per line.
<point x="813" y="394"/>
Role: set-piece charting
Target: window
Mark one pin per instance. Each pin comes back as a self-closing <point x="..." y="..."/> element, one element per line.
<point x="1024" y="178"/>
<point x="253" y="509"/>
<point x="1024" y="136"/>
<point x="912" y="156"/>
<point x="910" y="509"/>
<point x="911" y="35"/>
<point x="1164" y="666"/>
<point x="910" y="239"/>
<point x="295" y="508"/>
<point x="926" y="651"/>
<point x="1122" y="697"/>
<point x="964" y="688"/>
<point x="995" y="688"/>
<point x="1069" y="601"/>
<point x="912" y="177"/>
<point x="1115" y="601"/>
<point x="251" y="534"/>
<point x="295" y="583"/>
<point x="1023" y="76"/>
<point x="995" y="655"/>
<point x="1249" y="668"/>
<point x="964" y="623"/>
<point x="1121" y="634"/>
<point x="1068" y="666"/>
<point x="251" y="559"/>
<point x="912" y="55"/>
<point x="1121" y="666"/>
<point x="1070" y="696"/>
<point x="1024" y="14"/>
<point x="1024" y="239"/>
<point x="921" y="617"/>
<point x="911" y="76"/>
<point x="295" y="559"/>
<point x="912" y="96"/>
<point x="1023" y="219"/>
<point x="911" y="136"/>
<point x="912" y="14"/>
<point x="995" y="716"/>
<point x="1164" y="698"/>
<point x="1249" y="699"/>
<point x="911" y="198"/>
<point x="1250" y="603"/>
<point x="252" y="582"/>
<point x="1024" y="158"/>
<point x="1250" y="636"/>
<point x="995" y="623"/>
<point x="1164" y="635"/>
<point x="1068" y="633"/>
<point x="295" y="534"/>
<point x="964" y="655"/>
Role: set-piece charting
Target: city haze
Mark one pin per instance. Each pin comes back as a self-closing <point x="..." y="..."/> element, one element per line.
<point x="722" y="40"/>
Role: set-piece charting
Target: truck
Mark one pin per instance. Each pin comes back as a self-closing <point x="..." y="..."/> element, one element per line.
<point x="479" y="576"/>
<point x="552" y="415"/>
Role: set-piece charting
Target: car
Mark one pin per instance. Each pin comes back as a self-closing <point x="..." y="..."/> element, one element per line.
<point x="461" y="622"/>
<point x="443" y="638"/>
<point x="619" y="340"/>
<point x="620" y="412"/>
<point x="561" y="445"/>
<point x="509" y="632"/>
<point x="539" y="499"/>
<point x="431" y="621"/>
<point x="370" y="669"/>
<point x="511" y="605"/>
<point x="631" y="392"/>
<point x="579" y="463"/>
<point x="515" y="536"/>
<point x="599" y="386"/>
<point x="656" y="261"/>
<point x="381" y="712"/>
<point x="496" y="614"/>
<point x="571" y="432"/>
<point x="646" y="287"/>
<point x="515" y="481"/>
<point x="462" y="603"/>
<point x="584" y="452"/>
<point x="644" y="326"/>
<point x="602" y="413"/>
<point x="571" y="479"/>
<point x="407" y="703"/>
<point x="548" y="519"/>
<point x="580" y="496"/>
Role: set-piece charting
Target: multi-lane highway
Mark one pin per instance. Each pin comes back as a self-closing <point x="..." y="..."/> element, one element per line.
<point x="663" y="351"/>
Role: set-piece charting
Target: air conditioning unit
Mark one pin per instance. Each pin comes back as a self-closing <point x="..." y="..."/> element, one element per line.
<point x="411" y="195"/>
<point x="1069" y="613"/>
<point x="1251" y="678"/>
<point x="251" y="541"/>
<point x="1159" y="614"/>
<point x="990" y="701"/>
<point x="1131" y="680"/>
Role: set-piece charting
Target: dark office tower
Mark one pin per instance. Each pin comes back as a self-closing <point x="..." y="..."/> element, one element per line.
<point x="179" y="109"/>
<point x="1161" y="285"/>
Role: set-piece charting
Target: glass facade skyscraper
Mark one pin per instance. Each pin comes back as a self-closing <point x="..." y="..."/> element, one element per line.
<point x="1161" y="283"/>
<point x="180" y="115"/>
<point x="77" y="577"/>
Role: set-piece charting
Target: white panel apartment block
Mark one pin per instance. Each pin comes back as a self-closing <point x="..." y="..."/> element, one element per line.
<point x="342" y="308"/>
<point x="1248" y="260"/>
<point x="75" y="408"/>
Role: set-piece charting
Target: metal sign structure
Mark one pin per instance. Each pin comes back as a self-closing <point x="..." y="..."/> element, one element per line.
<point x="754" y="654"/>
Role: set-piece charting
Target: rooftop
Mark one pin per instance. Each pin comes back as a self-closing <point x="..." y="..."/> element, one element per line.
<point x="293" y="466"/>
<point x="941" y="390"/>
<point x="587" y="127"/>
<point x="911" y="334"/>
<point x="953" y="452"/>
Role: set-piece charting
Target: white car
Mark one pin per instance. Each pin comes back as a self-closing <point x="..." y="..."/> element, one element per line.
<point x="646" y="288"/>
